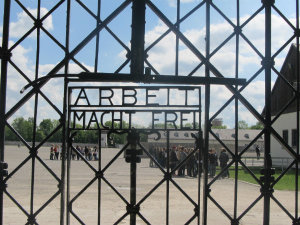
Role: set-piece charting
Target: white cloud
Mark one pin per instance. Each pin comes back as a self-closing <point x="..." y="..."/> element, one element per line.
<point x="162" y="56"/>
<point x="24" y="23"/>
<point x="173" y="3"/>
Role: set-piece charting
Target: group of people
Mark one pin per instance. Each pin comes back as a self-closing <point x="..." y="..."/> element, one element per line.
<point x="189" y="162"/>
<point x="55" y="152"/>
<point x="213" y="162"/>
<point x="89" y="153"/>
<point x="177" y="158"/>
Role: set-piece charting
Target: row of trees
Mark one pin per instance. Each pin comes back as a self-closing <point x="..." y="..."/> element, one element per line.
<point x="25" y="128"/>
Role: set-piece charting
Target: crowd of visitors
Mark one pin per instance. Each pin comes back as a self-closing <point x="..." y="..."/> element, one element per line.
<point x="89" y="153"/>
<point x="189" y="161"/>
<point x="186" y="161"/>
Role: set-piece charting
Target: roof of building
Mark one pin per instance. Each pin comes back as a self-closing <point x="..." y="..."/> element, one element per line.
<point x="223" y="134"/>
<point x="282" y="91"/>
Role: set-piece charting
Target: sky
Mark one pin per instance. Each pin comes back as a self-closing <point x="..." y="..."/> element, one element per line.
<point x="162" y="56"/>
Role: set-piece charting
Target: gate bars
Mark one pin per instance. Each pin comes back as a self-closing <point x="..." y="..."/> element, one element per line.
<point x="132" y="156"/>
<point x="137" y="58"/>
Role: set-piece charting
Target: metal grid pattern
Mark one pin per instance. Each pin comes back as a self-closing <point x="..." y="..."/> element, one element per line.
<point x="137" y="56"/>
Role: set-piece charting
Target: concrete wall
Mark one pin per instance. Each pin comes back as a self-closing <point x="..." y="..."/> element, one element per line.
<point x="284" y="122"/>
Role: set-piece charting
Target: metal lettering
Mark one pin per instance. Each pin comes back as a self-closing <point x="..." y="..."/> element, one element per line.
<point x="124" y="96"/>
<point x="101" y="97"/>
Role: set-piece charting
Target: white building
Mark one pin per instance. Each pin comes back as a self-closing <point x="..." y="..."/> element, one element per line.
<point x="286" y="124"/>
<point x="227" y="136"/>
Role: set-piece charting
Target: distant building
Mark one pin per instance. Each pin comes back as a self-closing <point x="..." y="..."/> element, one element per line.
<point x="225" y="135"/>
<point x="103" y="140"/>
<point x="218" y="122"/>
<point x="282" y="94"/>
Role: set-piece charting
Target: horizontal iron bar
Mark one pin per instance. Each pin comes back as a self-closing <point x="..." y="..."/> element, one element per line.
<point x="159" y="79"/>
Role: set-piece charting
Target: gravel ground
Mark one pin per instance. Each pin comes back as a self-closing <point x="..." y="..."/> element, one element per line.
<point x="113" y="207"/>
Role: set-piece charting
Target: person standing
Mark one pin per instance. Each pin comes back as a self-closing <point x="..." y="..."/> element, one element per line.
<point x="223" y="163"/>
<point x="86" y="152"/>
<point x="95" y="153"/>
<point x="257" y="150"/>
<point x="56" y="152"/>
<point x="52" y="152"/>
<point x="181" y="156"/>
<point x="173" y="159"/>
<point x="190" y="164"/>
<point x="212" y="162"/>
<point x="78" y="152"/>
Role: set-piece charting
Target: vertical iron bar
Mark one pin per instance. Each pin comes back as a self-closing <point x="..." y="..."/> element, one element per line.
<point x="236" y="117"/>
<point x="177" y="38"/>
<point x="133" y="181"/>
<point x="4" y="64"/>
<point x="99" y="179"/>
<point x="68" y="158"/>
<point x="298" y="117"/>
<point x="33" y="150"/>
<point x="200" y="148"/>
<point x="207" y="121"/>
<point x="132" y="191"/>
<point x="168" y="181"/>
<point x="97" y="36"/>
<point x="267" y="64"/>
<point x="65" y="129"/>
<point x="138" y="37"/>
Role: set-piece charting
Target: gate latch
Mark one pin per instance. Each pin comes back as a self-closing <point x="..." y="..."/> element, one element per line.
<point x="133" y="155"/>
<point x="3" y="169"/>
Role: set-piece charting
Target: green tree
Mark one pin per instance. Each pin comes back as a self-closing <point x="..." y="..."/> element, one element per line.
<point x="257" y="126"/>
<point x="219" y="127"/>
<point x="40" y="136"/>
<point x="117" y="138"/>
<point x="242" y="124"/>
<point x="46" y="126"/>
<point x="24" y="127"/>
<point x="57" y="136"/>
<point x="9" y="135"/>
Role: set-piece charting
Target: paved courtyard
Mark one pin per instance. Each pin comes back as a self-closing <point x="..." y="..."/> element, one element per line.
<point x="112" y="207"/>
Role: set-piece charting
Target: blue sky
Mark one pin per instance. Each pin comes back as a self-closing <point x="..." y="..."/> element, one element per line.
<point x="162" y="56"/>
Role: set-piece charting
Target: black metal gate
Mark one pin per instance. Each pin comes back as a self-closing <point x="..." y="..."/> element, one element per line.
<point x="138" y="56"/>
<point x="90" y="114"/>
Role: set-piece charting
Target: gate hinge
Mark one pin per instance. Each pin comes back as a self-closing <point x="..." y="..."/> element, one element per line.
<point x="3" y="186"/>
<point x="3" y="169"/>
<point x="267" y="174"/>
<point x="297" y="32"/>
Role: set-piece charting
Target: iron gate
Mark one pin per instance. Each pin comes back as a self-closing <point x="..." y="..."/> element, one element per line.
<point x="138" y="56"/>
<point x="98" y="102"/>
